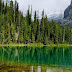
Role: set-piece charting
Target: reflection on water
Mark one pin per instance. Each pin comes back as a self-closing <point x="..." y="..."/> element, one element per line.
<point x="33" y="58"/>
<point x="39" y="69"/>
<point x="53" y="56"/>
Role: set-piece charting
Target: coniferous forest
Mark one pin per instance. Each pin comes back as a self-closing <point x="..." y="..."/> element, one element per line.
<point x="17" y="28"/>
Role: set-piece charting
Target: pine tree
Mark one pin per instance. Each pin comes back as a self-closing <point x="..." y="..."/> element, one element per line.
<point x="20" y="28"/>
<point x="2" y="31"/>
<point x="8" y="34"/>
<point x="28" y="17"/>
<point x="63" y="33"/>
<point x="42" y="28"/>
<point x="60" y="35"/>
<point x="3" y="7"/>
<point x="38" y="32"/>
<point x="46" y="30"/>
<point x="56" y="34"/>
<point x="0" y="5"/>
<point x="11" y="11"/>
<point x="32" y="33"/>
<point x="5" y="11"/>
<point x="52" y="31"/>
<point x="25" y="31"/>
<point x="35" y="25"/>
<point x="68" y="34"/>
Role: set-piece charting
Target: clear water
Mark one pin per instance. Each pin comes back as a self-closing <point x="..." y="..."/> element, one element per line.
<point x="36" y="59"/>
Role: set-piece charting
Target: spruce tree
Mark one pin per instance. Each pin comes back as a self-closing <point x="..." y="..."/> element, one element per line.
<point x="0" y="5"/>
<point x="3" y="7"/>
<point x="38" y="32"/>
<point x="42" y="28"/>
<point x="46" y="30"/>
<point x="35" y="25"/>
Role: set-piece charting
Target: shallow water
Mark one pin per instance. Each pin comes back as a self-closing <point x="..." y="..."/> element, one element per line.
<point x="35" y="59"/>
<point x="33" y="69"/>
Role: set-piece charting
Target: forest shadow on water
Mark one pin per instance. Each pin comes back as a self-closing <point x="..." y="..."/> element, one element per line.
<point x="35" y="59"/>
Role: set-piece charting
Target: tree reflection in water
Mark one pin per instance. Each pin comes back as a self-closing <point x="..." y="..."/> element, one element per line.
<point x="33" y="58"/>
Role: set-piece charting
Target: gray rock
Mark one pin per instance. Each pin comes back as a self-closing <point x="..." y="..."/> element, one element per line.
<point x="67" y="16"/>
<point x="68" y="11"/>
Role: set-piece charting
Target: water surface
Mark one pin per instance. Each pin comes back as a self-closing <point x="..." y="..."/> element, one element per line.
<point x="36" y="59"/>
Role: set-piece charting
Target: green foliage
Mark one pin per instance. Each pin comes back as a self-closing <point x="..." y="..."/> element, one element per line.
<point x="0" y="5"/>
<point x="15" y="28"/>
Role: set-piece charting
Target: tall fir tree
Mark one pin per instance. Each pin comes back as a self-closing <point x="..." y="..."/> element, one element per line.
<point x="0" y="5"/>
<point x="42" y="28"/>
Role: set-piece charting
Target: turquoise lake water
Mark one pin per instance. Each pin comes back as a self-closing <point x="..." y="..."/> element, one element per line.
<point x="53" y="57"/>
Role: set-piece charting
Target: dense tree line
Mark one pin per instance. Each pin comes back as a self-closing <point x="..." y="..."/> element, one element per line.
<point x="15" y="28"/>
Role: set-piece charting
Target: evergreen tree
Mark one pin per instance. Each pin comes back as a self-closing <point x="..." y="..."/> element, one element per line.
<point x="5" y="11"/>
<point x="35" y="25"/>
<point x="68" y="34"/>
<point x="46" y="30"/>
<point x="3" y="7"/>
<point x="0" y="5"/>
<point x="48" y="34"/>
<point x="60" y="35"/>
<point x="28" y="17"/>
<point x="15" y="28"/>
<point x="52" y="31"/>
<point x="57" y="33"/>
<point x="63" y="33"/>
<point x="38" y="32"/>
<point x="11" y="11"/>
<point x="2" y="31"/>
<point x="42" y="28"/>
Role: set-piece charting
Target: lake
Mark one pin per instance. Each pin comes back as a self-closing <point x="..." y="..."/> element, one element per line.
<point x="35" y="59"/>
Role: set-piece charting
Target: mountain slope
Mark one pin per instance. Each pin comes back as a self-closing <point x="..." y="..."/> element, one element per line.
<point x="67" y="16"/>
<point x="56" y="17"/>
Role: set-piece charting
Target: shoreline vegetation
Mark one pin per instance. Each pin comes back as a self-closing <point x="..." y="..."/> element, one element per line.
<point x="35" y="44"/>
